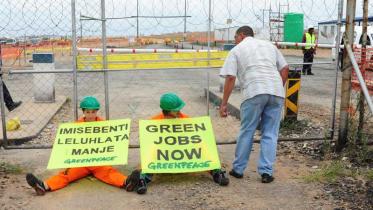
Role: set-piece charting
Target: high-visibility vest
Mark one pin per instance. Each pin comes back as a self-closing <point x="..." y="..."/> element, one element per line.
<point x="310" y="39"/>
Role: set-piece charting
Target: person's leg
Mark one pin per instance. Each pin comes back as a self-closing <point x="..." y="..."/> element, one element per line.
<point x="251" y="110"/>
<point x="109" y="175"/>
<point x="7" y="97"/>
<point x="306" y="59"/>
<point x="112" y="176"/>
<point x="304" y="69"/>
<point x="9" y="103"/>
<point x="63" y="178"/>
<point x="310" y="60"/>
<point x="271" y="118"/>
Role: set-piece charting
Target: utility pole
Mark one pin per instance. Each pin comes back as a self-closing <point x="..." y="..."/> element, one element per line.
<point x="346" y="76"/>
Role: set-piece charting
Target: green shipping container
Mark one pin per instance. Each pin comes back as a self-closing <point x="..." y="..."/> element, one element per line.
<point x="293" y="27"/>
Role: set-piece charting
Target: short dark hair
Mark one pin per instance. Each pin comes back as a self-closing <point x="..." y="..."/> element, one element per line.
<point x="246" y="30"/>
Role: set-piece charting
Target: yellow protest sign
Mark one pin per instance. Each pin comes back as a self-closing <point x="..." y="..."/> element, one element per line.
<point x="90" y="144"/>
<point x="178" y="145"/>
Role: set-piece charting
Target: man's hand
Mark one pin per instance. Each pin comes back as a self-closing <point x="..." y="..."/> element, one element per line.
<point x="223" y="110"/>
<point x="228" y="87"/>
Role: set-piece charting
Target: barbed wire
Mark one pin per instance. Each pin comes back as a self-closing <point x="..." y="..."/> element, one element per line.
<point x="30" y="16"/>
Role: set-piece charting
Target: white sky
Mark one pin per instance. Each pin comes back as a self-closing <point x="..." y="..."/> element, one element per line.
<point x="53" y="17"/>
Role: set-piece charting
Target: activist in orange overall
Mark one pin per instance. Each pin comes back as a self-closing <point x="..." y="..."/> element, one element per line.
<point x="171" y="104"/>
<point x="107" y="174"/>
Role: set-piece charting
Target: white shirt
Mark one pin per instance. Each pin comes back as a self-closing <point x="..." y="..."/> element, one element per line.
<point x="256" y="64"/>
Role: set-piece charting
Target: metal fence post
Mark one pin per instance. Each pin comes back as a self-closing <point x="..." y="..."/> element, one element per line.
<point x="3" y="121"/>
<point x="104" y="59"/>
<point x="208" y="61"/>
<point x="337" y="55"/>
<point x="361" y="103"/>
<point x="346" y="77"/>
<point x="75" y="75"/>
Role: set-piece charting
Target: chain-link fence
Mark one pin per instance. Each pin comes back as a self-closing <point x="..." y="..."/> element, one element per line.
<point x="128" y="53"/>
<point x="361" y="117"/>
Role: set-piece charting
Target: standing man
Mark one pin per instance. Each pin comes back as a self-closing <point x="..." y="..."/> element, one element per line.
<point x="262" y="72"/>
<point x="308" y="51"/>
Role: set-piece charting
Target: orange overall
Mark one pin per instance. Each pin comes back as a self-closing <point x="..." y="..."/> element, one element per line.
<point x="107" y="174"/>
<point x="161" y="116"/>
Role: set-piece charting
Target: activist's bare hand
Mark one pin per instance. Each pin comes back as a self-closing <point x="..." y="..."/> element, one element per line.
<point x="223" y="110"/>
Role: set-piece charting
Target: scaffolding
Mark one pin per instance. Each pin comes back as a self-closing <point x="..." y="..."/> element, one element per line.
<point x="276" y="22"/>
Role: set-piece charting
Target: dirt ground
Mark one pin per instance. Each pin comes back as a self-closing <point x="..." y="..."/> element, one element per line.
<point x="181" y="191"/>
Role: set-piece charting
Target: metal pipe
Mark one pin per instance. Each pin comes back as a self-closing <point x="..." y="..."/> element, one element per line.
<point x="74" y="54"/>
<point x="29" y="147"/>
<point x="360" y="78"/>
<point x="65" y="71"/>
<point x="282" y="140"/>
<point x="299" y="44"/>
<point x="337" y="55"/>
<point x="137" y="19"/>
<point x="185" y="10"/>
<point x="127" y="50"/>
<point x="104" y="59"/>
<point x="311" y="63"/>
<point x="89" y="61"/>
<point x="208" y="62"/>
<point x="346" y="77"/>
<point x="3" y="121"/>
<point x="136" y="146"/>
<point x="208" y="94"/>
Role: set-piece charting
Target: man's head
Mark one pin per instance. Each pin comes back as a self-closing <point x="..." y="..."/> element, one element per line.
<point x="171" y="104"/>
<point x="311" y="29"/>
<point x="242" y="32"/>
<point x="89" y="106"/>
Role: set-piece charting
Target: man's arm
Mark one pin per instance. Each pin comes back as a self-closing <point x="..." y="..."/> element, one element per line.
<point x="284" y="72"/>
<point x="228" y="87"/>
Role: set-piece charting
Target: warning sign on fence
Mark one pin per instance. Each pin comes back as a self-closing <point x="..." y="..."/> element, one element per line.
<point x="178" y="145"/>
<point x="91" y="144"/>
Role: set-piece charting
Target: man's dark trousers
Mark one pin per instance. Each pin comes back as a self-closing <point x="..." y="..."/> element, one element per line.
<point x="307" y="58"/>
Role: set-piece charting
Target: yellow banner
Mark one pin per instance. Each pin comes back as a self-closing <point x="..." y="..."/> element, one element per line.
<point x="178" y="145"/>
<point x="153" y="60"/>
<point x="91" y="144"/>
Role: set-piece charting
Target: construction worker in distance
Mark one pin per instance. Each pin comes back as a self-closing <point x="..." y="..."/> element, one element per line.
<point x="308" y="51"/>
<point x="171" y="104"/>
<point x="107" y="174"/>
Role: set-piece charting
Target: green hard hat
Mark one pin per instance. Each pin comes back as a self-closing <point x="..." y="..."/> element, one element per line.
<point x="171" y="102"/>
<point x="89" y="102"/>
